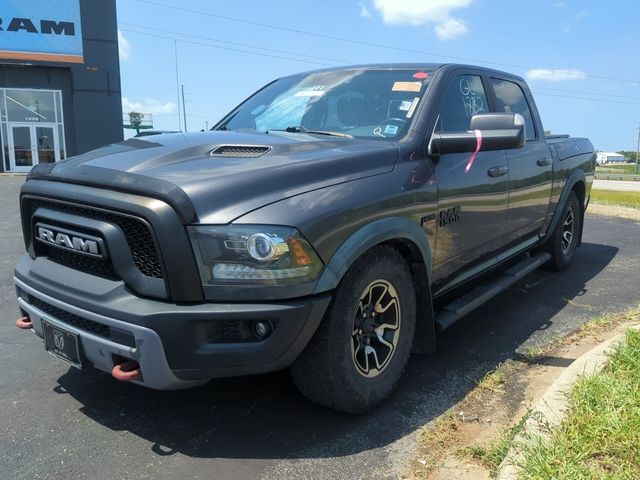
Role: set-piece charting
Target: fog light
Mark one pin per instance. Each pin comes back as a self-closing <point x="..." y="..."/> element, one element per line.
<point x="261" y="329"/>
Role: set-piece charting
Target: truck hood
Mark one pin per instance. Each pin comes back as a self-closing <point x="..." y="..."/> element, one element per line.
<point x="215" y="177"/>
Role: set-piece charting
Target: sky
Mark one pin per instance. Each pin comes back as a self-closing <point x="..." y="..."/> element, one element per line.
<point x="579" y="56"/>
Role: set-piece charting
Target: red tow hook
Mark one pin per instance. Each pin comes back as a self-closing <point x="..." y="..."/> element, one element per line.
<point x="126" y="371"/>
<point x="24" y="323"/>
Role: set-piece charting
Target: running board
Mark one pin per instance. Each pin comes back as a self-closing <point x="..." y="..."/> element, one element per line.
<point x="457" y="309"/>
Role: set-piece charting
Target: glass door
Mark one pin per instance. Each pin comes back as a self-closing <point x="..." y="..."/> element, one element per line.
<point x="46" y="142"/>
<point x="20" y="148"/>
<point x="32" y="144"/>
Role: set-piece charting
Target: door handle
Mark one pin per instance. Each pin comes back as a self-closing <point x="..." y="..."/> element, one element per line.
<point x="497" y="171"/>
<point x="543" y="162"/>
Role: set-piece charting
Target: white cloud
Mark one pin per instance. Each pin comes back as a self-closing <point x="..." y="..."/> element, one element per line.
<point x="450" y="29"/>
<point x="124" y="47"/>
<point x="150" y="105"/>
<point x="555" y="74"/>
<point x="421" y="12"/>
<point x="364" y="11"/>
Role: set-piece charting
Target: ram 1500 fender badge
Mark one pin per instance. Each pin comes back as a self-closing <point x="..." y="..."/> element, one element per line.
<point x="69" y="240"/>
<point x="448" y="216"/>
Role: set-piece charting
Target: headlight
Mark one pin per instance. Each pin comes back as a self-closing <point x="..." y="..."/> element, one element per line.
<point x="253" y="255"/>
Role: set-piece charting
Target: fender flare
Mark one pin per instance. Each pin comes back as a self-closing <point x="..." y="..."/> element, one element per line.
<point x="574" y="178"/>
<point x="375" y="233"/>
<point x="366" y="237"/>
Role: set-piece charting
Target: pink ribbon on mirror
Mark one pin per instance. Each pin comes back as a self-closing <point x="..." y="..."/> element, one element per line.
<point x="473" y="156"/>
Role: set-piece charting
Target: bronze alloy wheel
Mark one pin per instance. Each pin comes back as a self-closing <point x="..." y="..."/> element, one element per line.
<point x="567" y="230"/>
<point x="362" y="345"/>
<point x="376" y="328"/>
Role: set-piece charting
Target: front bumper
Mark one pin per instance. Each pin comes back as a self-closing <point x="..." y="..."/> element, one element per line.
<point x="176" y="345"/>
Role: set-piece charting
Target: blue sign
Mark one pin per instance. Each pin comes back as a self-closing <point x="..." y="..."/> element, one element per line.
<point x="41" y="30"/>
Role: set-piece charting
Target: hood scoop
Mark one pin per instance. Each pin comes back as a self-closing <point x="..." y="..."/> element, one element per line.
<point x="244" y="151"/>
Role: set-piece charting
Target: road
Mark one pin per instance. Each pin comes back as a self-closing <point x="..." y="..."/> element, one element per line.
<point x="620" y="185"/>
<point x="61" y="423"/>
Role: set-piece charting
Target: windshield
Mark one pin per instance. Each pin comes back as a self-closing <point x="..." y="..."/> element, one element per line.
<point x="364" y="103"/>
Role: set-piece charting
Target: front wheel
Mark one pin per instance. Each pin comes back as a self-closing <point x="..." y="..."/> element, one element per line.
<point x="362" y="345"/>
<point x="564" y="240"/>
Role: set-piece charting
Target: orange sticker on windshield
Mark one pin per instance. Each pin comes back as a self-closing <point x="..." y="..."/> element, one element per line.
<point x="406" y="87"/>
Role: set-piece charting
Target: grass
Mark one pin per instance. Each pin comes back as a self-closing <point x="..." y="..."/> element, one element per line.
<point x="612" y="197"/>
<point x="618" y="168"/>
<point x="494" y="380"/>
<point x="600" y="436"/>
<point x="437" y="440"/>
<point x="492" y="454"/>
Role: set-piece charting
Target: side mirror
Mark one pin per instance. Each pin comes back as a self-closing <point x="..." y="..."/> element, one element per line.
<point x="489" y="131"/>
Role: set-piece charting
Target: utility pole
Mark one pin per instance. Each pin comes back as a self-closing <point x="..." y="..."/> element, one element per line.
<point x="175" y="49"/>
<point x="206" y="125"/>
<point x="184" y="109"/>
<point x="638" y="152"/>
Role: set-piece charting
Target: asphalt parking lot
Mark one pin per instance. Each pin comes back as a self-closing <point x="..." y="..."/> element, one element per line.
<point x="61" y="423"/>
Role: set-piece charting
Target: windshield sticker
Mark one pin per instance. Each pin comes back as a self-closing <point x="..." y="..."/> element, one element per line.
<point x="421" y="75"/>
<point x="406" y="87"/>
<point x="405" y="105"/>
<point x="309" y="93"/>
<point x="413" y="106"/>
<point x="378" y="132"/>
<point x="391" y="129"/>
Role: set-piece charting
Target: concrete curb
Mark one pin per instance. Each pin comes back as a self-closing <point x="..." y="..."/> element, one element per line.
<point x="552" y="407"/>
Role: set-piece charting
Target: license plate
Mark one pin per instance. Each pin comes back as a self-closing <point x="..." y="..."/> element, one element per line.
<point x="62" y="344"/>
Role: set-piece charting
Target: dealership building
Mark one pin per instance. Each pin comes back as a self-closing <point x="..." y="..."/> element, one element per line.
<point x="59" y="80"/>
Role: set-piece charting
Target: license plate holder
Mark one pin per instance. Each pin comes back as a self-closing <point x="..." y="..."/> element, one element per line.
<point x="61" y="343"/>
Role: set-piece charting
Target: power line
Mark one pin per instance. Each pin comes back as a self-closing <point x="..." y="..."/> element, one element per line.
<point x="220" y="47"/>
<point x="227" y="42"/>
<point x="343" y="61"/>
<point x="497" y="32"/>
<point x="358" y="42"/>
<point x="605" y="100"/>
<point x="175" y="39"/>
<point x="587" y="93"/>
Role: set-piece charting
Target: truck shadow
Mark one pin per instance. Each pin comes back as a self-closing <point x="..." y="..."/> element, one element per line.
<point x="264" y="417"/>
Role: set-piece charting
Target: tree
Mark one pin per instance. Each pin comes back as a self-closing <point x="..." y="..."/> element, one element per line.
<point x="629" y="155"/>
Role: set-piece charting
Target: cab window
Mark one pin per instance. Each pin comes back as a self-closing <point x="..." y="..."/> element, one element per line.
<point x="510" y="98"/>
<point x="465" y="97"/>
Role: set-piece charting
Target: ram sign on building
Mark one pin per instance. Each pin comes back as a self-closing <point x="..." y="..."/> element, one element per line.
<point x="59" y="80"/>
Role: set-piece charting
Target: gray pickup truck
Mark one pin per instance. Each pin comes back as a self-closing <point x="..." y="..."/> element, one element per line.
<point x="332" y="223"/>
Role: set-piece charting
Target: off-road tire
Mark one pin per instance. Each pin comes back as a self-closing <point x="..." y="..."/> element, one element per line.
<point x="327" y="371"/>
<point x="562" y="250"/>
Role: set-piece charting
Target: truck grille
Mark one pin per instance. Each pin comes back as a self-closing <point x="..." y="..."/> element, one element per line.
<point x="94" y="266"/>
<point x="136" y="231"/>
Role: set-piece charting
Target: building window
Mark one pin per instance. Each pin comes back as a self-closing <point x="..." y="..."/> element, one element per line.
<point x="31" y="128"/>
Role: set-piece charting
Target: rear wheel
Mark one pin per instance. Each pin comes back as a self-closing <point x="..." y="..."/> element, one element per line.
<point x="564" y="240"/>
<point x="361" y="348"/>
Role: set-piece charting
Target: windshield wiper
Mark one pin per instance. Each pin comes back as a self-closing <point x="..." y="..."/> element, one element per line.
<point x="301" y="129"/>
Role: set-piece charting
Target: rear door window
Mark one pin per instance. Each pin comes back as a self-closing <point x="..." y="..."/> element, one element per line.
<point x="510" y="98"/>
